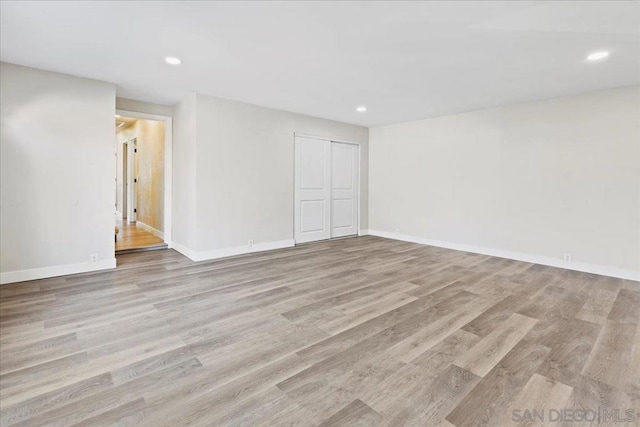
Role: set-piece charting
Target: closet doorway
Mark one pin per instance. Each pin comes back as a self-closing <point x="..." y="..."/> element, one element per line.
<point x="326" y="189"/>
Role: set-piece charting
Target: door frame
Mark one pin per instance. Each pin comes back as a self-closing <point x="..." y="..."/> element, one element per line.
<point x="132" y="188"/>
<point x="168" y="163"/>
<point x="324" y="138"/>
<point x="124" y="214"/>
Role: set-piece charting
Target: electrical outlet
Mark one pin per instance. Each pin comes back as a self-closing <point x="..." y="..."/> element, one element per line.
<point x="250" y="244"/>
<point x="567" y="257"/>
<point x="93" y="258"/>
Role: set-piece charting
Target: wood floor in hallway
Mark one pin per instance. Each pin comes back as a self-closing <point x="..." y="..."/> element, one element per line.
<point x="131" y="236"/>
<point x="357" y="331"/>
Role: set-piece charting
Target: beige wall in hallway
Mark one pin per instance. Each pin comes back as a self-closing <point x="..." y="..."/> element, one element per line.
<point x="150" y="165"/>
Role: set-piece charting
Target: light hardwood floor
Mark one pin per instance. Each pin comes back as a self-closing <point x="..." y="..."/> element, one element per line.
<point x="358" y="331"/>
<point x="134" y="237"/>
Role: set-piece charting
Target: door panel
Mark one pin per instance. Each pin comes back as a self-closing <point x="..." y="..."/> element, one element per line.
<point x="312" y="216"/>
<point x="313" y="171"/>
<point x="342" y="214"/>
<point x="342" y="167"/>
<point x="312" y="190"/>
<point x="344" y="189"/>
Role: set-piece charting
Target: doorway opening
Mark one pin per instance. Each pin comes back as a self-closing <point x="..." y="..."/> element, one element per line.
<point x="142" y="196"/>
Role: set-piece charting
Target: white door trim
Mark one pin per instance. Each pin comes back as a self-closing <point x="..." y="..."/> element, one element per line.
<point x="324" y="138"/>
<point x="168" y="164"/>
<point x="132" y="145"/>
<point x="124" y="180"/>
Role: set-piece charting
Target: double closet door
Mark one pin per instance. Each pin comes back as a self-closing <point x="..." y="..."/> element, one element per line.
<point x="326" y="189"/>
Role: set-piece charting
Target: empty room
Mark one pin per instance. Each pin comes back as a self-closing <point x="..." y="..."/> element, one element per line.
<point x="319" y="213"/>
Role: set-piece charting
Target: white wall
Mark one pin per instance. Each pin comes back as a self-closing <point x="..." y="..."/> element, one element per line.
<point x="244" y="173"/>
<point x="184" y="174"/>
<point x="57" y="166"/>
<point x="533" y="180"/>
<point x="121" y="175"/>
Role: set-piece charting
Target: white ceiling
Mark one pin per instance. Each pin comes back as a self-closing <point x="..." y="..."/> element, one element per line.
<point x="403" y="60"/>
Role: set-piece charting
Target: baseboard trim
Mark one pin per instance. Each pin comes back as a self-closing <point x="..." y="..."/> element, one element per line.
<point x="55" y="271"/>
<point x="227" y="252"/>
<point x="364" y="232"/>
<point x="183" y="250"/>
<point x="150" y="229"/>
<point x="518" y="256"/>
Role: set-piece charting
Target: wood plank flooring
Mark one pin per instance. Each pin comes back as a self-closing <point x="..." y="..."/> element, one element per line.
<point x="133" y="237"/>
<point x="358" y="331"/>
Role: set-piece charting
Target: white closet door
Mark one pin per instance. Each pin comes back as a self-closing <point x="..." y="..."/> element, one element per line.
<point x="344" y="189"/>
<point x="312" y="190"/>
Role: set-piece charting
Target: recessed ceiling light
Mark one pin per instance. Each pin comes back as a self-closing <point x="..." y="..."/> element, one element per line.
<point x="172" y="60"/>
<point x="361" y="109"/>
<point x="598" y="55"/>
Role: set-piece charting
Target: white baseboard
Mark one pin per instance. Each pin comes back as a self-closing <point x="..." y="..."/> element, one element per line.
<point x="518" y="256"/>
<point x="364" y="232"/>
<point x="150" y="229"/>
<point x="227" y="252"/>
<point x="55" y="271"/>
<point x="184" y="250"/>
